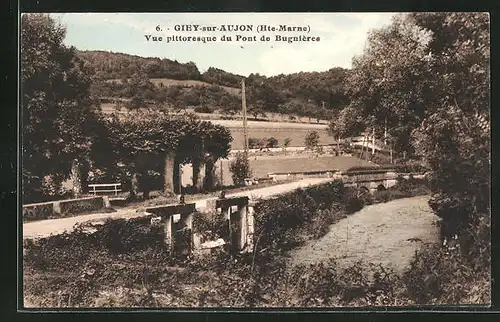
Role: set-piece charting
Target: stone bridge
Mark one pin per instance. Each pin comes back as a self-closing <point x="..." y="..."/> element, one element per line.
<point x="369" y="179"/>
<point x="374" y="180"/>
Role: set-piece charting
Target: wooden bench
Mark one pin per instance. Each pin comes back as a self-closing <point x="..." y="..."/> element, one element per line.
<point x="105" y="187"/>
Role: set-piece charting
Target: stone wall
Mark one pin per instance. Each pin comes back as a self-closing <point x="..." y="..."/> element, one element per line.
<point x="61" y="208"/>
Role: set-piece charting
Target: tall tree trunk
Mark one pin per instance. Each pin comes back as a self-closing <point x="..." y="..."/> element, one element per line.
<point x="145" y="184"/>
<point x="208" y="183"/>
<point x="373" y="141"/>
<point x="168" y="174"/>
<point x="177" y="177"/>
<point x="76" y="177"/>
<point x="197" y="183"/>
<point x="84" y="171"/>
<point x="134" y="186"/>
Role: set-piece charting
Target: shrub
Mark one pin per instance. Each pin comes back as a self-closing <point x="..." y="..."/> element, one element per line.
<point x="211" y="225"/>
<point x="121" y="236"/>
<point x="255" y="143"/>
<point x="240" y="168"/>
<point x="311" y="140"/>
<point x="203" y="109"/>
<point x="271" y="142"/>
<point x="356" y="198"/>
<point x="458" y="273"/>
<point x="278" y="220"/>
<point x="382" y="195"/>
<point x="287" y="142"/>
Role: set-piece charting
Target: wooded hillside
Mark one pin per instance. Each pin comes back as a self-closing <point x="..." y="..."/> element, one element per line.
<point x="149" y="81"/>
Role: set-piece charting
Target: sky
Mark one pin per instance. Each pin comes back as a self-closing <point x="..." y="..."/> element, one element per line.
<point x="341" y="36"/>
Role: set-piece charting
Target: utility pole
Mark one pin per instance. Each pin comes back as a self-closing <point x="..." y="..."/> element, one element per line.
<point x="373" y="141"/>
<point x="180" y="178"/>
<point x="385" y="131"/>
<point x="366" y="142"/>
<point x="244" y="107"/>
<point x="221" y="174"/>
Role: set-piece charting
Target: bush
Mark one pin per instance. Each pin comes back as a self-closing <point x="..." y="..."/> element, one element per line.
<point x="255" y="143"/>
<point x="211" y="225"/>
<point x="277" y="221"/>
<point x="271" y="142"/>
<point x="122" y="236"/>
<point x="311" y="140"/>
<point x="355" y="199"/>
<point x="403" y="189"/>
<point x="240" y="168"/>
<point x="203" y="109"/>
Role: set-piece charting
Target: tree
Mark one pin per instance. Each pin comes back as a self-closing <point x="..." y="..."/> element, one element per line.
<point x="255" y="143"/>
<point x="257" y="109"/>
<point x="427" y="77"/>
<point x="347" y="123"/>
<point x="56" y="106"/>
<point x="271" y="142"/>
<point x="311" y="140"/>
<point x="287" y="142"/>
<point x="240" y="168"/>
<point x="153" y="141"/>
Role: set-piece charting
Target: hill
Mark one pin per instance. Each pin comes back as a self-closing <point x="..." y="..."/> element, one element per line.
<point x="150" y="81"/>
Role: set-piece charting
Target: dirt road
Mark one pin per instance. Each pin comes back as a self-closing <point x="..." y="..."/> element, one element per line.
<point x="386" y="233"/>
<point x="44" y="228"/>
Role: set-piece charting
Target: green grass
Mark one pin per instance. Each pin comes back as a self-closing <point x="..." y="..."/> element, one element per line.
<point x="260" y="168"/>
<point x="190" y="83"/>
<point x="296" y="135"/>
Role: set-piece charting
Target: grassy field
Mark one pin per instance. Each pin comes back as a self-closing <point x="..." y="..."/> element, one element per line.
<point x="184" y="83"/>
<point x="262" y="166"/>
<point x="190" y="83"/>
<point x="297" y="136"/>
<point x="280" y="130"/>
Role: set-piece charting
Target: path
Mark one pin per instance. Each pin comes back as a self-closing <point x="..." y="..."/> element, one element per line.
<point x="386" y="233"/>
<point x="44" y="228"/>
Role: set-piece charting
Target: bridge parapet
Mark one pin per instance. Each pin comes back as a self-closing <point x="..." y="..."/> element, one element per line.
<point x="177" y="221"/>
<point x="240" y="220"/>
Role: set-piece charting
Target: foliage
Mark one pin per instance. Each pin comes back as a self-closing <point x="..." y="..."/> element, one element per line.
<point x="220" y="77"/>
<point x="141" y="141"/>
<point x="277" y="220"/>
<point x="203" y="109"/>
<point x="56" y="105"/>
<point x="271" y="142"/>
<point x="313" y="95"/>
<point x="347" y="123"/>
<point x="109" y="65"/>
<point x="311" y="140"/>
<point x="418" y="64"/>
<point x="124" y="263"/>
<point x="404" y="188"/>
<point x="426" y="76"/>
<point x="287" y="142"/>
<point x="211" y="225"/>
<point x="240" y="168"/>
<point x="453" y="274"/>
<point x="457" y="148"/>
<point x="356" y="198"/>
<point x="255" y="143"/>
